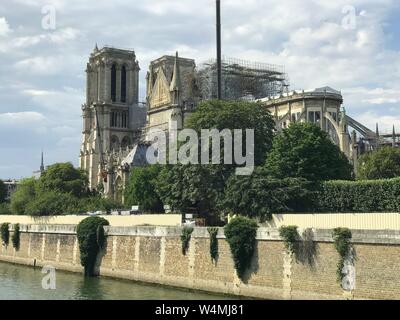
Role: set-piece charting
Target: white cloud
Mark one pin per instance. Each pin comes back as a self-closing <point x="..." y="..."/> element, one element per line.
<point x="4" y="27"/>
<point x="28" y="118"/>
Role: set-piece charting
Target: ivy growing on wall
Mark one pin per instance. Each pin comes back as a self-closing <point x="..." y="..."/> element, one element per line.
<point x="341" y="238"/>
<point x="91" y="240"/>
<point x="213" y="243"/>
<point x="241" y="234"/>
<point x="15" y="239"/>
<point x="185" y="238"/>
<point x="290" y="236"/>
<point x="5" y="234"/>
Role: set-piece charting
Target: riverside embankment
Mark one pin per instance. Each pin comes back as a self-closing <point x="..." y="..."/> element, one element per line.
<point x="154" y="255"/>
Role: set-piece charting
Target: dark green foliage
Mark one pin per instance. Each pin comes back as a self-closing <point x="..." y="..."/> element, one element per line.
<point x="63" y="177"/>
<point x="219" y="114"/>
<point x="200" y="188"/>
<point x="290" y="237"/>
<point x="15" y="239"/>
<point x="381" y="164"/>
<point x="305" y="151"/>
<point x="91" y="240"/>
<point x="341" y="238"/>
<point x="50" y="203"/>
<point x="241" y="234"/>
<point x="260" y="196"/>
<point x="213" y="243"/>
<point x="5" y="233"/>
<point x="359" y="196"/>
<point x="141" y="189"/>
<point x="192" y="187"/>
<point x="49" y="196"/>
<point x="3" y="192"/>
<point x="25" y="193"/>
<point x="5" y="208"/>
<point x="185" y="238"/>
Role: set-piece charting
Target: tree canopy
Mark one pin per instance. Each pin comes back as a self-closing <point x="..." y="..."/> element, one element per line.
<point x="141" y="189"/>
<point x="25" y="193"/>
<point x="381" y="164"/>
<point x="303" y="150"/>
<point x="63" y="177"/>
<point x="200" y="187"/>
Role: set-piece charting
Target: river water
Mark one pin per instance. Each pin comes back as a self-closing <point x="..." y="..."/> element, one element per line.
<point x="22" y="282"/>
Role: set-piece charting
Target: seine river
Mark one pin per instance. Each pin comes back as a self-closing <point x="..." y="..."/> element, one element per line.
<point x="22" y="282"/>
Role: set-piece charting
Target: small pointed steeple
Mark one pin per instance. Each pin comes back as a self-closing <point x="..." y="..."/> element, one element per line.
<point x="42" y="164"/>
<point x="394" y="137"/>
<point x="96" y="48"/>
<point x="377" y="136"/>
<point x="175" y="85"/>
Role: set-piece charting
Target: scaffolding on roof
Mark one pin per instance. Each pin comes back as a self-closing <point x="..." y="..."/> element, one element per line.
<point x="242" y="80"/>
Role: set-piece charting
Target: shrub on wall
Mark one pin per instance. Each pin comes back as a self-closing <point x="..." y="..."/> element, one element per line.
<point x="341" y="238"/>
<point x="213" y="243"/>
<point x="185" y="238"/>
<point x="290" y="236"/>
<point x="5" y="234"/>
<point x="241" y="234"/>
<point x="91" y="240"/>
<point x="15" y="239"/>
<point x="359" y="196"/>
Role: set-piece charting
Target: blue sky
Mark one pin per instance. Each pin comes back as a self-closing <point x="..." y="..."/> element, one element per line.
<point x="42" y="78"/>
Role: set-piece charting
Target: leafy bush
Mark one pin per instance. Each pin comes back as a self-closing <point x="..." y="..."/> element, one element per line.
<point x="5" y="233"/>
<point x="185" y="238"/>
<point x="359" y="196"/>
<point x="341" y="238"/>
<point x="241" y="235"/>
<point x="213" y="243"/>
<point x="5" y="208"/>
<point x="260" y="196"/>
<point x="50" y="203"/>
<point x="91" y="241"/>
<point x="381" y="164"/>
<point x="25" y="193"/>
<point x="141" y="189"/>
<point x="15" y="239"/>
<point x="290" y="236"/>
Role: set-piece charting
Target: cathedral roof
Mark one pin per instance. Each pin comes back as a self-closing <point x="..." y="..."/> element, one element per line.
<point x="137" y="156"/>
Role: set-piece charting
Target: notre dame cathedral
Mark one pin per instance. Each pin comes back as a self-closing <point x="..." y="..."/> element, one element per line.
<point x="115" y="123"/>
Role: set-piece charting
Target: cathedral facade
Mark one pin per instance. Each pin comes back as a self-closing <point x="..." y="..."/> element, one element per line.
<point x="115" y="124"/>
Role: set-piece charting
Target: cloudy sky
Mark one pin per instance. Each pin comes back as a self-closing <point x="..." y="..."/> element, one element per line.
<point x="350" y="45"/>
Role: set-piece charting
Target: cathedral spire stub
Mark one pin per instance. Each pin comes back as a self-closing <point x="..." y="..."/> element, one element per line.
<point x="175" y="86"/>
<point x="42" y="164"/>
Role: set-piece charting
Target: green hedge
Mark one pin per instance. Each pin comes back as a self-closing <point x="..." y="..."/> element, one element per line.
<point x="359" y="196"/>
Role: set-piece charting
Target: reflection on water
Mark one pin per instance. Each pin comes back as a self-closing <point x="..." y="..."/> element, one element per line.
<point x="22" y="282"/>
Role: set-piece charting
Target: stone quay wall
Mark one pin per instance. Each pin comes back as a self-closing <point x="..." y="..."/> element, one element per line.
<point x="154" y="255"/>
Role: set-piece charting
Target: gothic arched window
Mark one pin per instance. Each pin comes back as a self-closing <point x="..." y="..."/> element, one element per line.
<point x="125" y="142"/>
<point x="123" y="84"/>
<point x="114" y="143"/>
<point x="113" y="83"/>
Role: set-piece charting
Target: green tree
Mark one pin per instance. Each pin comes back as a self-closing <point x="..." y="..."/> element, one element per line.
<point x="303" y="150"/>
<point x="63" y="177"/>
<point x="25" y="193"/>
<point x="3" y="192"/>
<point x="260" y="196"/>
<point x="200" y="187"/>
<point x="141" y="189"/>
<point x="381" y="164"/>
<point x="51" y="203"/>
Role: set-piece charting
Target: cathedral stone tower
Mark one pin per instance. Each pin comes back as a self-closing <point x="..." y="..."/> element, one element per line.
<point x="112" y="118"/>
